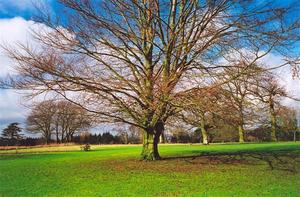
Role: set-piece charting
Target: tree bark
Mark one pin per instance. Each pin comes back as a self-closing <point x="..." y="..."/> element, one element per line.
<point x="47" y="140"/>
<point x="150" y="146"/>
<point x="241" y="134"/>
<point x="204" y="136"/>
<point x="203" y="129"/>
<point x="57" y="133"/>
<point x="273" y="121"/>
<point x="204" y="133"/>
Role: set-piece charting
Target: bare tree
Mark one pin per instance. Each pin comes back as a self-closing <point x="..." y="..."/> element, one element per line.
<point x="129" y="134"/>
<point x="58" y="117"/>
<point x="41" y="118"/>
<point x="201" y="106"/>
<point x="287" y="120"/>
<point x="239" y="95"/>
<point x="71" y="118"/>
<point x="123" y="134"/>
<point x="268" y="90"/>
<point x="126" y="60"/>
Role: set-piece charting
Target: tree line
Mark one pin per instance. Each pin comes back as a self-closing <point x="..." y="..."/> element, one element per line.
<point x="50" y="119"/>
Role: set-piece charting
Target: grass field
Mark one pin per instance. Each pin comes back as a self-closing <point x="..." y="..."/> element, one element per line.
<point x="270" y="169"/>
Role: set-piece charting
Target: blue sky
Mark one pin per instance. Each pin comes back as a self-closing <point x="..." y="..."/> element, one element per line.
<point x="24" y="8"/>
<point x="15" y="18"/>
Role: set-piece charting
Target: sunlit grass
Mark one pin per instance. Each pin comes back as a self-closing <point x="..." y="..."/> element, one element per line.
<point x="269" y="169"/>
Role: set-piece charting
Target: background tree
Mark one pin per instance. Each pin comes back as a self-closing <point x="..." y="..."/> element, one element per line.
<point x="123" y="134"/>
<point x="287" y="120"/>
<point x="268" y="90"/>
<point x="61" y="118"/>
<point x="71" y="118"/>
<point x="239" y="95"/>
<point x="127" y="60"/>
<point x="129" y="135"/>
<point x="41" y="119"/>
<point x="12" y="133"/>
<point x="201" y="107"/>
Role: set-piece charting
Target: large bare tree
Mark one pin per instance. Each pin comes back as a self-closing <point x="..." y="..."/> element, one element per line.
<point x="126" y="60"/>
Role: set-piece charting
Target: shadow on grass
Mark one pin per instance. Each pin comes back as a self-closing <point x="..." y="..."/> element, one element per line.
<point x="276" y="160"/>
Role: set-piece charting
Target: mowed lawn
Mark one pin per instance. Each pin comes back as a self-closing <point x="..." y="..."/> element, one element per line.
<point x="269" y="169"/>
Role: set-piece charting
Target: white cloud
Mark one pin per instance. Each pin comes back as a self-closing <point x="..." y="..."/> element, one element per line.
<point x="12" y="31"/>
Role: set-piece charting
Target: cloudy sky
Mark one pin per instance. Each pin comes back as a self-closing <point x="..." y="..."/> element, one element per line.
<point x="15" y="22"/>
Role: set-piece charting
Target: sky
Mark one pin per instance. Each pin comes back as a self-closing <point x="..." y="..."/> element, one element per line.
<point x="15" y="23"/>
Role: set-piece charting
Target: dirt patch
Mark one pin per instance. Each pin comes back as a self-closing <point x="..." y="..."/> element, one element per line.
<point x="283" y="161"/>
<point x="191" y="164"/>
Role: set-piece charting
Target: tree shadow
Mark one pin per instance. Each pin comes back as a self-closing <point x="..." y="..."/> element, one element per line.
<point x="276" y="160"/>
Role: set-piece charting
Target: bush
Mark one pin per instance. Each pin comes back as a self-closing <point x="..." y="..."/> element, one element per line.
<point x="86" y="147"/>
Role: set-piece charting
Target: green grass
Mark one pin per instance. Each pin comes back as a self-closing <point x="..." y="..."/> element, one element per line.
<point x="269" y="169"/>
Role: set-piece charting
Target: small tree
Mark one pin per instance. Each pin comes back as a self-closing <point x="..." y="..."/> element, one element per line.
<point x="12" y="133"/>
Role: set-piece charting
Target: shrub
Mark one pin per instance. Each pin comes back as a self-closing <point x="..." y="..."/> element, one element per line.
<point x="86" y="147"/>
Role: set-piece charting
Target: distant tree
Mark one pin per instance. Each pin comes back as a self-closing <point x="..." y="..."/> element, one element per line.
<point x="180" y="135"/>
<point x="61" y="118"/>
<point x="223" y="130"/>
<point x="269" y="92"/>
<point x="260" y="134"/>
<point x="12" y="133"/>
<point x="201" y="107"/>
<point x="287" y="120"/>
<point x="123" y="134"/>
<point x="94" y="139"/>
<point x="85" y="137"/>
<point x="129" y="134"/>
<point x="239" y="79"/>
<point x="40" y="119"/>
<point x="135" y="135"/>
<point x="107" y="138"/>
<point x="69" y="119"/>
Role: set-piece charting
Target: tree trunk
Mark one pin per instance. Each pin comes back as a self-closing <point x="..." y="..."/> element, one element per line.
<point x="126" y="138"/>
<point x="46" y="136"/>
<point x="273" y="122"/>
<point x="62" y="139"/>
<point x="57" y="134"/>
<point x="204" y="134"/>
<point x="57" y="139"/>
<point x="241" y="134"/>
<point x="151" y="140"/>
<point x="162" y="138"/>
<point x="294" y="136"/>
<point x="150" y="146"/>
